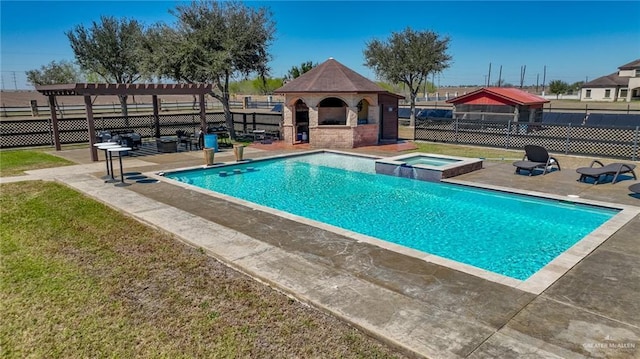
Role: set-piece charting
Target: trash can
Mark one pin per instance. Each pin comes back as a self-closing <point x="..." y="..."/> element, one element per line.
<point x="209" y="153"/>
<point x="211" y="141"/>
<point x="238" y="151"/>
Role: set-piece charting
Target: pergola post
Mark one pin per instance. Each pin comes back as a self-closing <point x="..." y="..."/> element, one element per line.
<point x="54" y="122"/>
<point x="92" y="128"/>
<point x="88" y="90"/>
<point x="156" y="116"/>
<point x="203" y="113"/>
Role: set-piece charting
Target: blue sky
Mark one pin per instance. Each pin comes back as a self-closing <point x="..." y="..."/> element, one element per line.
<point x="576" y="40"/>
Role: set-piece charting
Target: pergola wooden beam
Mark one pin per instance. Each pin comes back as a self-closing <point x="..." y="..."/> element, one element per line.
<point x="87" y="90"/>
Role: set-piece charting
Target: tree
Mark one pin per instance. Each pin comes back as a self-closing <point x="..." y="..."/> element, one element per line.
<point x="408" y="57"/>
<point x="110" y="49"/>
<point x="266" y="86"/>
<point x="63" y="72"/>
<point x="575" y="87"/>
<point x="213" y="42"/>
<point x="296" y="71"/>
<point x="558" y="87"/>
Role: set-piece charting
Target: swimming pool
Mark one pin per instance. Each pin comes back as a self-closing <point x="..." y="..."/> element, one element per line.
<point x="427" y="166"/>
<point x="508" y="234"/>
<point x="429" y="161"/>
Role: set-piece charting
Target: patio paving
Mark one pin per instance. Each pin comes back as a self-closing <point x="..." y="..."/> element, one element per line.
<point x="423" y="308"/>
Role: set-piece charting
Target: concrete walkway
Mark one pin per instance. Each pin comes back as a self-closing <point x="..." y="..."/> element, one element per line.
<point x="423" y="308"/>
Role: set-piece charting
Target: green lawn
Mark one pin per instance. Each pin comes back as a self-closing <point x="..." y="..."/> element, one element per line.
<point x="15" y="162"/>
<point x="468" y="151"/>
<point x="79" y="280"/>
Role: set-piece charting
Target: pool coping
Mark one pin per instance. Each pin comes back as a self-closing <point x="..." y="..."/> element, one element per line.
<point x="536" y="284"/>
<point x="398" y="160"/>
<point x="395" y="166"/>
<point x="556" y="268"/>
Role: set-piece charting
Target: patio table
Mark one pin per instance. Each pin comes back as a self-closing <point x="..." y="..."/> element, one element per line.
<point x="119" y="150"/>
<point x="105" y="146"/>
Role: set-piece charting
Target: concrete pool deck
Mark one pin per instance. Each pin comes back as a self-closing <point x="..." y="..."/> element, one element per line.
<point x="424" y="308"/>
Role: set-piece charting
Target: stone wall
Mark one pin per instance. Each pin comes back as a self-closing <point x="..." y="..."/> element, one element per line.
<point x="365" y="135"/>
<point x="343" y="136"/>
<point x="331" y="137"/>
<point x="334" y="136"/>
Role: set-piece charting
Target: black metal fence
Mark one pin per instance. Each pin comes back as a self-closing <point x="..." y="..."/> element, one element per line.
<point x="603" y="141"/>
<point x="39" y="132"/>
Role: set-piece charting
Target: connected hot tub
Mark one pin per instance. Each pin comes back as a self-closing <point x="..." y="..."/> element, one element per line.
<point x="427" y="166"/>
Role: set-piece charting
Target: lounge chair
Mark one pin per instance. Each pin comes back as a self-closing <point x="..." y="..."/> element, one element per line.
<point x="612" y="169"/>
<point x="536" y="157"/>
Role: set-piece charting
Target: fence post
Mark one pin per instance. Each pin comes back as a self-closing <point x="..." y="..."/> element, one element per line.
<point x="508" y="129"/>
<point x="244" y="123"/>
<point x="566" y="146"/>
<point x="456" y="127"/>
<point x="253" y="120"/>
<point x="50" y="126"/>
<point x="634" y="156"/>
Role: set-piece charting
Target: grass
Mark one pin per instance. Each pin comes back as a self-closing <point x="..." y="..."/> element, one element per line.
<point x="15" y="162"/>
<point x="468" y="151"/>
<point x="78" y="279"/>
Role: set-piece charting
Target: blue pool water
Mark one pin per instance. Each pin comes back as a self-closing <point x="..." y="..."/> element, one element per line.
<point x="509" y="234"/>
<point x="428" y="160"/>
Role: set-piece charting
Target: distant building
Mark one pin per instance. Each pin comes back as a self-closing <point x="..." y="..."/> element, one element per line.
<point x="498" y="104"/>
<point x="623" y="85"/>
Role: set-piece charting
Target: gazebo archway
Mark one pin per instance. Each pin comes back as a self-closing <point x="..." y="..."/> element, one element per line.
<point x="301" y="121"/>
<point x="88" y="90"/>
<point x="332" y="111"/>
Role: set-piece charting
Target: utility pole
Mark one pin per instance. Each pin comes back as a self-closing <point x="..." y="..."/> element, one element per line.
<point x="537" y="82"/>
<point x="500" y="77"/>
<point x="544" y="78"/>
<point x="523" y="69"/>
<point x="489" y="76"/>
<point x="15" y="83"/>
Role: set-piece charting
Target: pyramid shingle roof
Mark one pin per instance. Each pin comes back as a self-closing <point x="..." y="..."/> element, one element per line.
<point x="331" y="77"/>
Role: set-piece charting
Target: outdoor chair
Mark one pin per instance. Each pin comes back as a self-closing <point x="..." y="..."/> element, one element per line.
<point x="536" y="157"/>
<point x="184" y="138"/>
<point x="612" y="169"/>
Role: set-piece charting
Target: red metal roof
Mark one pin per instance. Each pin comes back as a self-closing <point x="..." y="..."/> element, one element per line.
<point x="499" y="95"/>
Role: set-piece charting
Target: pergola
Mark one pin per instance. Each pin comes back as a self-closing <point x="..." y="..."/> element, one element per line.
<point x="88" y="90"/>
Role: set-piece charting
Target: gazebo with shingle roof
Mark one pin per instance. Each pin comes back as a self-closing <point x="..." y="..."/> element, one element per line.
<point x="332" y="106"/>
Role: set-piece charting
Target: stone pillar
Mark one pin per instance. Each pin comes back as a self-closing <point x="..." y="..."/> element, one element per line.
<point x="287" y="124"/>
